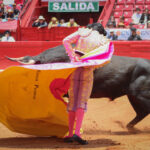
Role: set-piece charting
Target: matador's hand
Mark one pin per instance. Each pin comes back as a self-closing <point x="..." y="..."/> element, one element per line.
<point x="76" y="59"/>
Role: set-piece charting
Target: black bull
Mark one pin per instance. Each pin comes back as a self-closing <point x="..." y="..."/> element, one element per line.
<point x="122" y="76"/>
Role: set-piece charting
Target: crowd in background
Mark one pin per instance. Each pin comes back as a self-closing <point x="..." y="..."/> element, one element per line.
<point x="54" y="22"/>
<point x="9" y="12"/>
<point x="134" y="36"/>
<point x="138" y="18"/>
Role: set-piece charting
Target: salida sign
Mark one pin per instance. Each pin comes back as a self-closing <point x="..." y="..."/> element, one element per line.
<point x="86" y="6"/>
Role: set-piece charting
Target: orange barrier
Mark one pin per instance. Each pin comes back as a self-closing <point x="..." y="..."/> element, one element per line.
<point x="18" y="49"/>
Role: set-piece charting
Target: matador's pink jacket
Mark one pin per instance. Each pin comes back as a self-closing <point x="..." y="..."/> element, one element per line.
<point x="86" y="40"/>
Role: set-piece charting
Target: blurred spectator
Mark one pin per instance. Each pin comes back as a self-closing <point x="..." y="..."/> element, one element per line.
<point x="2" y="8"/>
<point x="40" y="23"/>
<point x="148" y="24"/>
<point x="53" y="22"/>
<point x="112" y="35"/>
<point x="1" y="35"/>
<point x="8" y="2"/>
<point x="122" y="23"/>
<point x="72" y="23"/>
<point x="2" y="16"/>
<point x="7" y="37"/>
<point x="110" y="25"/>
<point x="145" y="17"/>
<point x="16" y="11"/>
<point x="130" y="25"/>
<point x="10" y="15"/>
<point x="134" y="36"/>
<point x="62" y="23"/>
<point x="136" y="16"/>
<point x="111" y="22"/>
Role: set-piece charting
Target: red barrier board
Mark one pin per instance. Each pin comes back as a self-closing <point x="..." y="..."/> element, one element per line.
<point x="19" y="49"/>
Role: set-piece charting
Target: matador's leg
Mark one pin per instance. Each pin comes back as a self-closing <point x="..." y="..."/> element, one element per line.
<point x="73" y="93"/>
<point x="85" y="88"/>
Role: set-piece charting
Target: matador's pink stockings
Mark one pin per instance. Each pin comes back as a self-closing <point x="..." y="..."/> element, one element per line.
<point x="79" y="119"/>
<point x="78" y="116"/>
<point x="71" y="122"/>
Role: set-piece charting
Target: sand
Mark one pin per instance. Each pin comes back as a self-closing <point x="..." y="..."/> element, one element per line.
<point x="104" y="127"/>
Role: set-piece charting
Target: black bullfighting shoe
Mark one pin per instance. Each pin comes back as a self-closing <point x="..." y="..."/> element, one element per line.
<point x="68" y="139"/>
<point x="79" y="140"/>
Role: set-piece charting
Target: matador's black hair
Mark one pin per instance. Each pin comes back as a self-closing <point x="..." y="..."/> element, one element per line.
<point x="98" y="27"/>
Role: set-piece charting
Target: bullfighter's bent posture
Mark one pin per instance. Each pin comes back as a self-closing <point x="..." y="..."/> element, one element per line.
<point x="86" y="40"/>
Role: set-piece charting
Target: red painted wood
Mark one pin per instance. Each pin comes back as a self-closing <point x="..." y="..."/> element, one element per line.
<point x="18" y="49"/>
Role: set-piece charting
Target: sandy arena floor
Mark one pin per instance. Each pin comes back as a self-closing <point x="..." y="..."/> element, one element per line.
<point x="104" y="128"/>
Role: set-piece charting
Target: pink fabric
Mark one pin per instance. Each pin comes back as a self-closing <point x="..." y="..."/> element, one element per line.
<point x="105" y="55"/>
<point x="85" y="39"/>
<point x="60" y="86"/>
<point x="79" y="119"/>
<point x="71" y="122"/>
<point x="67" y="43"/>
<point x="81" y="83"/>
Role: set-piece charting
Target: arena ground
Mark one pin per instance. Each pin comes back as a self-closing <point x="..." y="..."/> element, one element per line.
<point x="104" y="128"/>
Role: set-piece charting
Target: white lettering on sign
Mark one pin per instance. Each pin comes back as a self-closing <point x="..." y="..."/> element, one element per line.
<point x="83" y="6"/>
<point x="56" y="6"/>
<point x="77" y="6"/>
<point x="70" y="7"/>
<point x="63" y="6"/>
<point x="73" y="6"/>
<point x="90" y="7"/>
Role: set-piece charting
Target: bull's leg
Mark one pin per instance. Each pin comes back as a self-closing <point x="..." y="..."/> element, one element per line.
<point x="137" y="119"/>
<point x="140" y="112"/>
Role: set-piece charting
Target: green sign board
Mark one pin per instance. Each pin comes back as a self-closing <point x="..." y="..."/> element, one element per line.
<point x="86" y="6"/>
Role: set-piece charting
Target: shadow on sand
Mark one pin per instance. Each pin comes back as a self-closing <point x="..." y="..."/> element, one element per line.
<point x="109" y="132"/>
<point x="51" y="142"/>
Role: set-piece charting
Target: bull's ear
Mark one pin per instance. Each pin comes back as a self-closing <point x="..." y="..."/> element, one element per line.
<point x="141" y="68"/>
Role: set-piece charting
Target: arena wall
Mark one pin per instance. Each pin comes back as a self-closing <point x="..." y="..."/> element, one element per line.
<point x="21" y="48"/>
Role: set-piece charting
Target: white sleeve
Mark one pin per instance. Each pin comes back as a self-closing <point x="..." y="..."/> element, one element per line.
<point x="12" y="39"/>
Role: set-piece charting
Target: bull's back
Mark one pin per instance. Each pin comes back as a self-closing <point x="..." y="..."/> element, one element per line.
<point x="113" y="79"/>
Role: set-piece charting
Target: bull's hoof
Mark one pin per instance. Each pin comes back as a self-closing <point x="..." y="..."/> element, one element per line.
<point x="132" y="129"/>
<point x="130" y="126"/>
